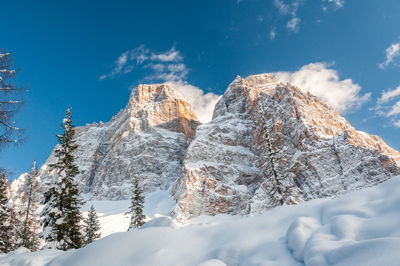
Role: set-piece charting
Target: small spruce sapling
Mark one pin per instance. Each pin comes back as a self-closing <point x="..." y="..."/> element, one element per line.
<point x="136" y="208"/>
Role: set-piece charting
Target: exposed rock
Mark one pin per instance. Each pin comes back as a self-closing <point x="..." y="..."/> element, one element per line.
<point x="224" y="168"/>
<point x="148" y="138"/>
<point x="227" y="167"/>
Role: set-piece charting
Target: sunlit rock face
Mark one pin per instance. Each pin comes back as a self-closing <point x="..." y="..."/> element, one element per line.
<point x="226" y="166"/>
<point x="148" y="138"/>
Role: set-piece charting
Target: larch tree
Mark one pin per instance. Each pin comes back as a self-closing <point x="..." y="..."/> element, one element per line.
<point x="136" y="207"/>
<point x="62" y="211"/>
<point x="27" y="211"/>
<point x="92" y="226"/>
<point x="10" y="101"/>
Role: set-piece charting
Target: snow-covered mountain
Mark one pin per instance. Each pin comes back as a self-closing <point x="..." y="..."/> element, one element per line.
<point x="226" y="167"/>
<point x="148" y="138"/>
<point x="223" y="166"/>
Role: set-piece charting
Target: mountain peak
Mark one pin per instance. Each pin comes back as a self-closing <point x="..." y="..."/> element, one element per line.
<point x="160" y="105"/>
<point x="227" y="167"/>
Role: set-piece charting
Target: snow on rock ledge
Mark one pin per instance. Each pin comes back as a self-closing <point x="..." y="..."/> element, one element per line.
<point x="148" y="138"/>
<point x="318" y="149"/>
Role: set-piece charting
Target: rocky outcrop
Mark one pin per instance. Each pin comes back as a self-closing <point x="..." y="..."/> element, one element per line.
<point x="260" y="127"/>
<point x="148" y="138"/>
<point x="227" y="170"/>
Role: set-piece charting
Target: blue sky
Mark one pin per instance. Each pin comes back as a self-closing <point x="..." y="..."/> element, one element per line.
<point x="69" y="53"/>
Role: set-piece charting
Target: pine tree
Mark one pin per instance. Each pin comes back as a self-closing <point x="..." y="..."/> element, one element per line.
<point x="136" y="208"/>
<point x="50" y="214"/>
<point x="92" y="226"/>
<point x="29" y="204"/>
<point x="8" y="219"/>
<point x="62" y="211"/>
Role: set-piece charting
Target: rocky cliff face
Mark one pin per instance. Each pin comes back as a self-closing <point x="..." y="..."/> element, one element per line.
<point x="227" y="170"/>
<point x="148" y="138"/>
<point x="227" y="167"/>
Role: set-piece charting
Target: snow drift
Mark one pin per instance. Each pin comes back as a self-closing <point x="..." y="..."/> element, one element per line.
<point x="361" y="228"/>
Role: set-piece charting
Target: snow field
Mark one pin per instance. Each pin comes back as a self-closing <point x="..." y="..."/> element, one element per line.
<point x="361" y="228"/>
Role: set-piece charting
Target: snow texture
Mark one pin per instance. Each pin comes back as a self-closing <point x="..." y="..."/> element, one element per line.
<point x="360" y="228"/>
<point x="220" y="166"/>
<point x="148" y="139"/>
<point x="316" y="148"/>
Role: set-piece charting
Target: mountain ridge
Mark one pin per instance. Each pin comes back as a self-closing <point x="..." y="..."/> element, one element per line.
<point x="219" y="166"/>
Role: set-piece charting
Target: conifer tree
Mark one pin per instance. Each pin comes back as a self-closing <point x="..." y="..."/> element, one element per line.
<point x="136" y="208"/>
<point x="8" y="219"/>
<point x="29" y="204"/>
<point x="62" y="213"/>
<point x="92" y="226"/>
<point x="50" y="214"/>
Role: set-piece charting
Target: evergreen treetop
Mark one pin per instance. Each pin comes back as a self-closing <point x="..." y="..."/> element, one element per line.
<point x="62" y="211"/>
<point x="92" y="226"/>
<point x="136" y="207"/>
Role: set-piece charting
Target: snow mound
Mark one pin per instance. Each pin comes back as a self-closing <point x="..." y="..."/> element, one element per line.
<point x="159" y="222"/>
<point x="361" y="228"/>
<point x="212" y="263"/>
<point x="299" y="233"/>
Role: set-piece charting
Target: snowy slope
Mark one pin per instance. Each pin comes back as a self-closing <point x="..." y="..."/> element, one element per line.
<point x="361" y="228"/>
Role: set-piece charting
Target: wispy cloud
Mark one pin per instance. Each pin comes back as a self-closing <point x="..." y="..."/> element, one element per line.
<point x="126" y="62"/>
<point x="290" y="8"/>
<point x="389" y="95"/>
<point x="395" y="110"/>
<point x="388" y="105"/>
<point x="392" y="54"/>
<point x="166" y="67"/>
<point x="322" y="81"/>
<point x="335" y="4"/>
<point x="293" y="24"/>
<point x="272" y="34"/>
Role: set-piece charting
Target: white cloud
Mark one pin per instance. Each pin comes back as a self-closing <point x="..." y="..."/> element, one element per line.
<point x="293" y="24"/>
<point x="202" y="103"/>
<point x="282" y="7"/>
<point x="388" y="106"/>
<point x="336" y="4"/>
<point x="324" y="82"/>
<point x="166" y="67"/>
<point x="260" y="18"/>
<point x="126" y="61"/>
<point x="389" y="95"/>
<point x="170" y="56"/>
<point x="272" y="34"/>
<point x="289" y="8"/>
<point x="395" y="110"/>
<point x="392" y="53"/>
<point x="119" y="65"/>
